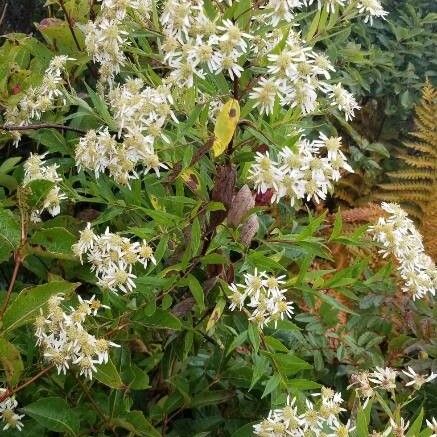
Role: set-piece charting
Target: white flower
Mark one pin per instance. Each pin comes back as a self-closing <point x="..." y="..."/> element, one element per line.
<point x="399" y="429"/>
<point x="340" y="430"/>
<point x="361" y="383"/>
<point x="265" y="95"/>
<point x="112" y="257"/>
<point x="399" y="237"/>
<point x="432" y="425"/>
<point x="35" y="168"/>
<point x="40" y="99"/>
<point x="417" y="380"/>
<point x="343" y="100"/>
<point x="266" y="301"/>
<point x="64" y="340"/>
<point x="371" y="8"/>
<point x="7" y="414"/>
<point x="384" y="378"/>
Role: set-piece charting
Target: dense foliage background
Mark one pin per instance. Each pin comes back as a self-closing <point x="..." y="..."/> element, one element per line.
<point x="182" y="360"/>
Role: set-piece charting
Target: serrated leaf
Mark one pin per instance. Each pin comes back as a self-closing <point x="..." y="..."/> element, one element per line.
<point x="55" y="240"/>
<point x="225" y="126"/>
<point x="10" y="359"/>
<point x="108" y="375"/>
<point x="26" y="305"/>
<point x="54" y="414"/>
<point x="39" y="188"/>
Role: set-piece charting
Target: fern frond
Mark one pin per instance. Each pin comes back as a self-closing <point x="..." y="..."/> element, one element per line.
<point x="417" y="161"/>
<point x="408" y="186"/>
<point x="414" y="184"/>
<point x="409" y="174"/>
<point x="402" y="196"/>
<point x="422" y="147"/>
<point x="345" y="196"/>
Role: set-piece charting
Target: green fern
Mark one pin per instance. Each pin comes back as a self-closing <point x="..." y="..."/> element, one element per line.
<point x="414" y="184"/>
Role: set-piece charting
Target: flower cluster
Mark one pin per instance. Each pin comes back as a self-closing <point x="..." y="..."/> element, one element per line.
<point x="39" y="99"/>
<point x="7" y="411"/>
<point x="112" y="257"/>
<point x="35" y="169"/>
<point x="64" y="340"/>
<point x="367" y="383"/>
<point x="400" y="238"/>
<point x="321" y="418"/>
<point x="140" y="113"/>
<point x="194" y="44"/>
<point x="295" y="76"/>
<point x="265" y="298"/>
<point x="302" y="173"/>
<point x="284" y="9"/>
<point x="106" y="37"/>
<point x="318" y="418"/>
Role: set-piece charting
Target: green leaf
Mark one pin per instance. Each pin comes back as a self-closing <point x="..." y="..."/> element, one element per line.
<point x="107" y="374"/>
<point x="138" y="378"/>
<point x="197" y="291"/>
<point x="290" y="364"/>
<point x="260" y="368"/>
<point x="55" y="240"/>
<point x="54" y="414"/>
<point x="272" y="383"/>
<point x="245" y="430"/>
<point x="254" y="337"/>
<point x="416" y="425"/>
<point x="275" y="344"/>
<point x="9" y="164"/>
<point x="28" y="303"/>
<point x="302" y="384"/>
<point x="39" y="188"/>
<point x="195" y="237"/>
<point x="238" y="341"/>
<point x="363" y="419"/>
<point x="211" y="398"/>
<point x="10" y="359"/>
<point x="135" y="422"/>
<point x="9" y="233"/>
<point x="163" y="319"/>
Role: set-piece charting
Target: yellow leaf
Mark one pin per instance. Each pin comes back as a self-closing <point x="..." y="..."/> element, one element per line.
<point x="216" y="314"/>
<point x="225" y="126"/>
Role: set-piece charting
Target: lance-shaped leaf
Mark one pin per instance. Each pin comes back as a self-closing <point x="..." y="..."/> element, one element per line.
<point x="225" y="126"/>
<point x="27" y="304"/>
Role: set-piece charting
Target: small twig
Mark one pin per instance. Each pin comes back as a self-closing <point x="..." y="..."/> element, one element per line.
<point x="96" y="407"/>
<point x="70" y="24"/>
<point x="8" y="393"/>
<point x="42" y="126"/>
<point x="11" y="284"/>
<point x="17" y="255"/>
<point x="174" y="174"/>
<point x="3" y="13"/>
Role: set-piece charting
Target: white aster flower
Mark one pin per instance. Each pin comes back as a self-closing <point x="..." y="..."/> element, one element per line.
<point x="371" y="9"/>
<point x="417" y="380"/>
